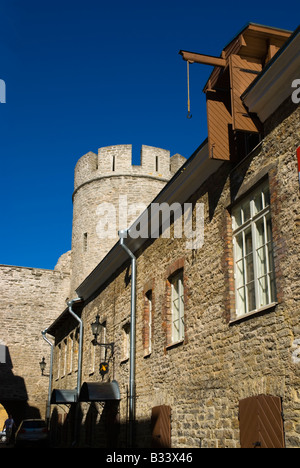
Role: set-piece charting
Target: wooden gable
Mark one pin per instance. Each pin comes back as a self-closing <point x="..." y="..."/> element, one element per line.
<point x="241" y="61"/>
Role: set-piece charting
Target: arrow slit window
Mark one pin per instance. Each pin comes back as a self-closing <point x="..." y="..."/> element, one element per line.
<point x="253" y="252"/>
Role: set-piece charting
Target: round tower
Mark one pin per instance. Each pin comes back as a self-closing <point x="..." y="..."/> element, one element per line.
<point x="107" y="186"/>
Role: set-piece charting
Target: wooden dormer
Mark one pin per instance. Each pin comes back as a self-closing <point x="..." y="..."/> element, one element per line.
<point x="232" y="130"/>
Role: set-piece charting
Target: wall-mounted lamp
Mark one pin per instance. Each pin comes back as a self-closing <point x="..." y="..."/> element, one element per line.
<point x="96" y="330"/>
<point x="42" y="365"/>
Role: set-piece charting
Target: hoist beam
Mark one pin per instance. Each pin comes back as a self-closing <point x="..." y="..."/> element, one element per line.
<point x="200" y="58"/>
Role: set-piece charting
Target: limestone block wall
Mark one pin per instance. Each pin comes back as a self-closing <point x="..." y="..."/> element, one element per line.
<point x="31" y="299"/>
<point x="220" y="361"/>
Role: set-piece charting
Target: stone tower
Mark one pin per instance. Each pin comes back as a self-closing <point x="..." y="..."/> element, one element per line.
<point x="104" y="184"/>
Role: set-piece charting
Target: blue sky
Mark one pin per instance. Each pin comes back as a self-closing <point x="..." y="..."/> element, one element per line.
<point x="85" y="74"/>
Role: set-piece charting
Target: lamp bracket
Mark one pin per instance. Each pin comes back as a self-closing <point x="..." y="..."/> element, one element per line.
<point x="106" y="345"/>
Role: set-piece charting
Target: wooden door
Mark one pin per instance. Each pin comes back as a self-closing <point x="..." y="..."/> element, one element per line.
<point x="161" y="426"/>
<point x="261" y="422"/>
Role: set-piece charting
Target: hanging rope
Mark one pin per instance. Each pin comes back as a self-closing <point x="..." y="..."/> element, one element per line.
<point x="189" y="115"/>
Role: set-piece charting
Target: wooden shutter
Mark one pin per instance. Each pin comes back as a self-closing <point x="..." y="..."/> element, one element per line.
<point x="219" y="123"/>
<point x="161" y="426"/>
<point x="261" y="422"/>
<point x="243" y="70"/>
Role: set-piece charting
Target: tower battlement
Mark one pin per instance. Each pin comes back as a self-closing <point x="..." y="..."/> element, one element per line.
<point x="116" y="160"/>
<point x="101" y="179"/>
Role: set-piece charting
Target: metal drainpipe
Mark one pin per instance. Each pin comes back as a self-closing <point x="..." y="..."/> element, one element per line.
<point x="50" y="376"/>
<point x="77" y="417"/>
<point x="122" y="236"/>
<point x="70" y="305"/>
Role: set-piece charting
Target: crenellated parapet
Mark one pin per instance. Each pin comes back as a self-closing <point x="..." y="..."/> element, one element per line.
<point x="101" y="181"/>
<point x="116" y="160"/>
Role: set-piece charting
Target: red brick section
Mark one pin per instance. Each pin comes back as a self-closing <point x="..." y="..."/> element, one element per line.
<point x="228" y="268"/>
<point x="279" y="244"/>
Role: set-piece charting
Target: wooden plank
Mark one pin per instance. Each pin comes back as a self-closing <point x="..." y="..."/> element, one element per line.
<point x="270" y="423"/>
<point x="243" y="70"/>
<point x="219" y="122"/>
<point x="161" y="426"/>
<point x="205" y="59"/>
<point x="261" y="422"/>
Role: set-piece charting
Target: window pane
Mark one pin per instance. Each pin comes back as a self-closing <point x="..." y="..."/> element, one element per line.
<point x="249" y="268"/>
<point x="261" y="262"/>
<point x="241" y="302"/>
<point x="251" y="296"/>
<point x="240" y="274"/>
<point x="239" y="246"/>
<point x="260" y="240"/>
<point x="248" y="241"/>
<point x="266" y="195"/>
<point x="246" y="211"/>
<point x="258" y="202"/>
<point x="263" y="291"/>
<point x="237" y="218"/>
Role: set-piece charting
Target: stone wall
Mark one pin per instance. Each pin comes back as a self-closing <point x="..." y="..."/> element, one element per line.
<point x="221" y="360"/>
<point x="31" y="298"/>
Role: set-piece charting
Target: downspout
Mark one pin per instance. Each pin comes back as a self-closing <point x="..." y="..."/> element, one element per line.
<point x="70" y="305"/>
<point x="122" y="236"/>
<point x="50" y="376"/>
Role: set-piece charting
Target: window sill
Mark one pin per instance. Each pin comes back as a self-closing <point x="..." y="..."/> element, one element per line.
<point x="175" y="344"/>
<point x="253" y="312"/>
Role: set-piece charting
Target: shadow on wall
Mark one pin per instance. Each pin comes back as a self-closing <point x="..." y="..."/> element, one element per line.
<point x="100" y="428"/>
<point x="13" y="393"/>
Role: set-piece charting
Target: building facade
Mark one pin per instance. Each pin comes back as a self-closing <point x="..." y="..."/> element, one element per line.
<point x="196" y="299"/>
<point x="33" y="297"/>
<point x="206" y="322"/>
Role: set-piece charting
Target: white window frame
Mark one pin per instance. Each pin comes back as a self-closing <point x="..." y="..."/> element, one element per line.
<point x="248" y="216"/>
<point x="177" y="307"/>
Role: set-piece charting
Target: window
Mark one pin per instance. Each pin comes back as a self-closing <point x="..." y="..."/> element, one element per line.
<point x="126" y="341"/>
<point x="177" y="307"/>
<point x="85" y="242"/>
<point x="76" y="349"/>
<point x="103" y="341"/>
<point x="148" y="311"/>
<point x="64" y="370"/>
<point x="70" y="353"/>
<point x="92" y="359"/>
<point x="156" y="163"/>
<point x="253" y="252"/>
